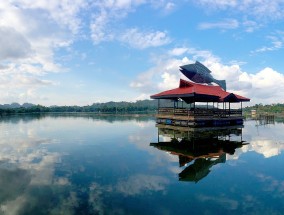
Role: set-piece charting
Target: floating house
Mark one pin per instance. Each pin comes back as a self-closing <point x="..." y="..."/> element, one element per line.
<point x="198" y="102"/>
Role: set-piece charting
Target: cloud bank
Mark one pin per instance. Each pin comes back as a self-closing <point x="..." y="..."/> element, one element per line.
<point x="264" y="86"/>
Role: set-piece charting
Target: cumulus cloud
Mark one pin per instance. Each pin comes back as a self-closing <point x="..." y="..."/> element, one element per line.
<point x="160" y="77"/>
<point x="31" y="33"/>
<point x="258" y="86"/>
<point x="13" y="44"/>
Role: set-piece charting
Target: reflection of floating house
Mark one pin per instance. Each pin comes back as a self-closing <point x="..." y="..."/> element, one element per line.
<point x="189" y="106"/>
<point x="199" y="149"/>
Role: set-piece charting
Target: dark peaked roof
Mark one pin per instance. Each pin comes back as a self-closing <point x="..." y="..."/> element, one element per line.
<point x="193" y="92"/>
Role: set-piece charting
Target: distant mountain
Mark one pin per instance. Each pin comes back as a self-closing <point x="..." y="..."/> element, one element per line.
<point x="16" y="105"/>
<point x="27" y="105"/>
<point x="107" y="107"/>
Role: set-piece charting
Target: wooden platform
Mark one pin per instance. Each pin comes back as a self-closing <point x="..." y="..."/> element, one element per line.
<point x="199" y="118"/>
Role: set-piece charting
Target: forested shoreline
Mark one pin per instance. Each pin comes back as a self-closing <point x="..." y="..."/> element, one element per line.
<point x="107" y="107"/>
<point x="144" y="106"/>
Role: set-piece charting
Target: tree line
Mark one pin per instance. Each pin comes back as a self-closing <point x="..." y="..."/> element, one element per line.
<point x="116" y="107"/>
<point x="268" y="108"/>
<point x="107" y="107"/>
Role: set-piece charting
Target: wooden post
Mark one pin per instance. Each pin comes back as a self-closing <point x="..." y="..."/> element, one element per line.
<point x="158" y="105"/>
<point x="158" y="135"/>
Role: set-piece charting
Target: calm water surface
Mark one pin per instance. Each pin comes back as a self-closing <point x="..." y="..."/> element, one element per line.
<point x="125" y="165"/>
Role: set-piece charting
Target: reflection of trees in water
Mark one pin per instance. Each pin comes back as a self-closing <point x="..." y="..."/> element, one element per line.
<point x="92" y="116"/>
<point x="200" y="149"/>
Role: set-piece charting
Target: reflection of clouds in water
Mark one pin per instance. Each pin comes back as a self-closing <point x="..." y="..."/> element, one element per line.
<point x="28" y="153"/>
<point x="142" y="138"/>
<point x="268" y="148"/>
<point x="223" y="201"/>
<point x="136" y="184"/>
<point x="13" y="182"/>
<point x="13" y="207"/>
<point x="43" y="172"/>
<point x="273" y="186"/>
<point x="265" y="140"/>
<point x="96" y="198"/>
<point x="24" y="146"/>
<point x="27" y="169"/>
<point x="141" y="124"/>
<point x="165" y="138"/>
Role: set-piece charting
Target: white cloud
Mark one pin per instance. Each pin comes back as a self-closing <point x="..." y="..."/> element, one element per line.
<point x="178" y="51"/>
<point x="64" y="13"/>
<point x="142" y="40"/>
<point x="277" y="42"/>
<point x="169" y="6"/>
<point x="104" y="22"/>
<point x="107" y="15"/>
<point x="258" y="9"/>
<point x="13" y="44"/>
<point x="250" y="25"/>
<point x="99" y="32"/>
<point x="218" y="4"/>
<point x="259" y="86"/>
<point x="226" y="24"/>
<point x="31" y="32"/>
<point x="154" y="80"/>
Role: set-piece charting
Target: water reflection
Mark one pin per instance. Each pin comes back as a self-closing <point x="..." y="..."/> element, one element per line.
<point x="56" y="164"/>
<point x="198" y="149"/>
<point x="91" y="165"/>
<point x="91" y="116"/>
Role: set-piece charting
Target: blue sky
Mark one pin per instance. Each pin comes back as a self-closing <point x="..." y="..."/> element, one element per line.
<point x="82" y="51"/>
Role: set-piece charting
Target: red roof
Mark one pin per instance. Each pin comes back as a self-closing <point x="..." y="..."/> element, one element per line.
<point x="193" y="92"/>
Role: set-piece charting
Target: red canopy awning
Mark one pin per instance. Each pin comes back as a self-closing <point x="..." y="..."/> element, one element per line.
<point x="193" y="92"/>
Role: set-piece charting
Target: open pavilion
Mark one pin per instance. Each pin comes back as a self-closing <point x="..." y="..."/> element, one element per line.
<point x="184" y="110"/>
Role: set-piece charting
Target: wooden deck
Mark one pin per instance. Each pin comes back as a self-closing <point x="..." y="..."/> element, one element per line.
<point x="199" y="117"/>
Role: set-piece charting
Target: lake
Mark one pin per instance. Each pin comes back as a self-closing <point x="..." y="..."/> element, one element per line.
<point x="89" y="164"/>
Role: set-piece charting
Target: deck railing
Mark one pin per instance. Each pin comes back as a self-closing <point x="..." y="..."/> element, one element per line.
<point x="199" y="112"/>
